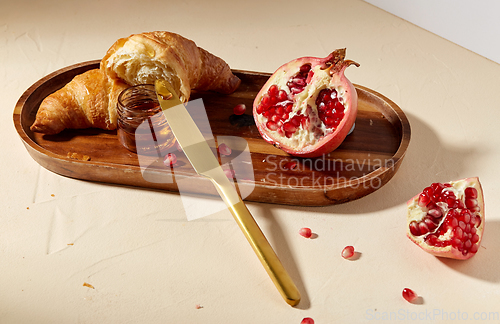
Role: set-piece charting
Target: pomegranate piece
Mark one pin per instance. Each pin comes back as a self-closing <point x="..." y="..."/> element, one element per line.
<point x="305" y="232"/>
<point x="447" y="219"/>
<point x="348" y="252"/>
<point x="409" y="295"/>
<point x="308" y="106"/>
<point x="170" y="159"/>
<point x="239" y="109"/>
<point x="230" y="174"/>
<point x="307" y="320"/>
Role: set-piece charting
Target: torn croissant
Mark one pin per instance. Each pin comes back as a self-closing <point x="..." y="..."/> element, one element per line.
<point x="143" y="58"/>
<point x="89" y="100"/>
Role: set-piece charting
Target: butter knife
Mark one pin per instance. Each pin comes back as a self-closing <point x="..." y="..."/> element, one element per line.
<point x="205" y="164"/>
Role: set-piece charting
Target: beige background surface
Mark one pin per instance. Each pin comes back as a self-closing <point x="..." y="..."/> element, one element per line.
<point x="148" y="264"/>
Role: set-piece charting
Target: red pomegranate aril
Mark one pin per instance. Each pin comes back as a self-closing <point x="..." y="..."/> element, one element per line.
<point x="436" y="213"/>
<point x="409" y="295"/>
<point x="273" y="90"/>
<point x="414" y="228"/>
<point x="289" y="127"/>
<point x="239" y="109"/>
<point x="275" y="118"/>
<point x="470" y="192"/>
<point x="282" y="95"/>
<point x="430" y="224"/>
<point x="305" y="232"/>
<point x="423" y="200"/>
<point x="230" y="174"/>
<point x="292" y="165"/>
<point x="307" y="320"/>
<point x="272" y="125"/>
<point x="423" y="228"/>
<point x="470" y="203"/>
<point x="431" y="239"/>
<point x="224" y="149"/>
<point x="305" y="68"/>
<point x="348" y="252"/>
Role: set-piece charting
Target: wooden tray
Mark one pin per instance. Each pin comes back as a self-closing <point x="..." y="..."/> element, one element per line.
<point x="365" y="161"/>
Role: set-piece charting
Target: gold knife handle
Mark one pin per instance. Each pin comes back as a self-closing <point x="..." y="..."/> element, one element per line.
<point x="266" y="254"/>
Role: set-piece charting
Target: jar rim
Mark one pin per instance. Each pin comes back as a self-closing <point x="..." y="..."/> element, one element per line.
<point x="131" y="88"/>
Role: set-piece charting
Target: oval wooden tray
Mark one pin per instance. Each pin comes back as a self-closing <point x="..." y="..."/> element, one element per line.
<point x="365" y="161"/>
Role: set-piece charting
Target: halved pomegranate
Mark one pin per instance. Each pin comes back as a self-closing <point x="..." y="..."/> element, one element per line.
<point x="447" y="219"/>
<point x="308" y="106"/>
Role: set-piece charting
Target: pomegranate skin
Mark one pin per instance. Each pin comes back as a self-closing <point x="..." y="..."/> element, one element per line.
<point x="448" y="251"/>
<point x="330" y="140"/>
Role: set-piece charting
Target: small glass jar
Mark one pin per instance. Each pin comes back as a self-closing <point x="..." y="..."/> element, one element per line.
<point x="142" y="127"/>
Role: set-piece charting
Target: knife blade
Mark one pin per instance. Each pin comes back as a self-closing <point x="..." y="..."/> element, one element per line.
<point x="205" y="164"/>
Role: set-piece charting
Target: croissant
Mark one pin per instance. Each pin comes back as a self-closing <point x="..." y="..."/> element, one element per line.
<point x="88" y="100"/>
<point x="143" y="58"/>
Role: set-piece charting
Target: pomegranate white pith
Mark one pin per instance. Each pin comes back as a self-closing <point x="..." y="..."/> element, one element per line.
<point x="308" y="106"/>
<point x="447" y="219"/>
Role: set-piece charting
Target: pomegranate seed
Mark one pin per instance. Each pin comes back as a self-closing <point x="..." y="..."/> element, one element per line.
<point x="423" y="228"/>
<point x="273" y="90"/>
<point x="414" y="228"/>
<point x="224" y="149"/>
<point x="239" y="109"/>
<point x="292" y="165"/>
<point x="436" y="213"/>
<point x="470" y="203"/>
<point x="289" y="127"/>
<point x="305" y="232"/>
<point x="170" y="159"/>
<point x="423" y="200"/>
<point x="348" y="252"/>
<point x="305" y="68"/>
<point x="266" y="101"/>
<point x="229" y="173"/>
<point x="430" y="224"/>
<point x="409" y="295"/>
<point x="470" y="192"/>
<point x="272" y="125"/>
<point x="282" y="95"/>
<point x="307" y="320"/>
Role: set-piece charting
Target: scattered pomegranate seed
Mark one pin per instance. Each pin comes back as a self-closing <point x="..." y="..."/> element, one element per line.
<point x="239" y="109"/>
<point x="307" y="320"/>
<point x="348" y="252"/>
<point x="170" y="159"/>
<point x="305" y="232"/>
<point x="224" y="149"/>
<point x="409" y="295"/>
<point x="292" y="165"/>
<point x="229" y="173"/>
<point x="198" y="306"/>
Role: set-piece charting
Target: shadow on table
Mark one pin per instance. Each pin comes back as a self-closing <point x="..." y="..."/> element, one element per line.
<point x="281" y="246"/>
<point x="427" y="160"/>
<point x="485" y="265"/>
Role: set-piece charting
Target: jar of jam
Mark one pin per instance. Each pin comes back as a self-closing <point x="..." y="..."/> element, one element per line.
<point x="142" y="127"/>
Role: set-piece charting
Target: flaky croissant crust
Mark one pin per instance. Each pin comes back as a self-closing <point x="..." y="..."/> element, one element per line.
<point x="142" y="58"/>
<point x="90" y="99"/>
